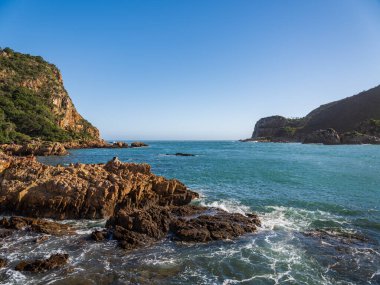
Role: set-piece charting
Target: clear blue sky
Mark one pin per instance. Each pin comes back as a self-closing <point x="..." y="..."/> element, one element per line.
<point x="199" y="69"/>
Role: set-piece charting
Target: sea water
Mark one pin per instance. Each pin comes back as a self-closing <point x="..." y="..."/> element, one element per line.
<point x="296" y="189"/>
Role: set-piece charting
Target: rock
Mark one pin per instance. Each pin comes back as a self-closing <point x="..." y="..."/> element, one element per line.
<point x="120" y="145"/>
<point x="142" y="227"/>
<point x="40" y="265"/>
<point x="219" y="226"/>
<point x="90" y="191"/>
<point x="328" y="137"/>
<point x="358" y="138"/>
<point x="138" y="144"/>
<point x="141" y="207"/>
<point x="36" y="225"/>
<point x="34" y="148"/>
<point x="99" y="235"/>
<point x="181" y="154"/>
<point x="3" y="262"/>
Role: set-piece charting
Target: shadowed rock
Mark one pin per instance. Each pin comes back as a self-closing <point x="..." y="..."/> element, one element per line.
<point x="36" y="225"/>
<point x="40" y="265"/>
<point x="328" y="137"/>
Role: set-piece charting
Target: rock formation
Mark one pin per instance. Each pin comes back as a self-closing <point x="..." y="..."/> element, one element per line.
<point x="360" y="113"/>
<point x="40" y="265"/>
<point x="328" y="137"/>
<point x="141" y="207"/>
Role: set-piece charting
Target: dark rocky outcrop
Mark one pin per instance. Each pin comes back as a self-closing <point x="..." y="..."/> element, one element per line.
<point x="36" y="225"/>
<point x="181" y="154"/>
<point x="359" y="113"/>
<point x="40" y="265"/>
<point x="328" y="137"/>
<point x="142" y="227"/>
<point x="358" y="138"/>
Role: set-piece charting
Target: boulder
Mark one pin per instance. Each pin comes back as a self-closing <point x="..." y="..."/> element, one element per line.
<point x="138" y="144"/>
<point x="328" y="137"/>
<point x="40" y="265"/>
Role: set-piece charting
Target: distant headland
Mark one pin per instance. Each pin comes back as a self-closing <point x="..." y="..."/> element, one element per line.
<point x="353" y="120"/>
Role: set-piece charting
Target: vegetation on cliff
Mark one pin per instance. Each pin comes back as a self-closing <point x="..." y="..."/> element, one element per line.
<point x="35" y="104"/>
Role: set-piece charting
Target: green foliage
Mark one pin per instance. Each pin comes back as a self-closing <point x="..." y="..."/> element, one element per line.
<point x="26" y="113"/>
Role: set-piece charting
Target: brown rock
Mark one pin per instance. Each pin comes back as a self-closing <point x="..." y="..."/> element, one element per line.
<point x="99" y="235"/>
<point x="138" y="144"/>
<point x="34" y="148"/>
<point x="36" y="225"/>
<point x="40" y="265"/>
<point x="3" y="262"/>
<point x="91" y="191"/>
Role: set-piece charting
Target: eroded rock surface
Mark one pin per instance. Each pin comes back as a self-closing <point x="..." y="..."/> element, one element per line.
<point x="36" y="225"/>
<point x="141" y="207"/>
<point x="40" y="265"/>
<point x="328" y="137"/>
<point x="34" y="148"/>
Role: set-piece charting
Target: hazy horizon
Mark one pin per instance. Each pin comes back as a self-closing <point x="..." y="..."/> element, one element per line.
<point x="199" y="70"/>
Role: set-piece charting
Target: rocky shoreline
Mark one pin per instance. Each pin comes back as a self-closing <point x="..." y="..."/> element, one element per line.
<point x="46" y="148"/>
<point x="141" y="208"/>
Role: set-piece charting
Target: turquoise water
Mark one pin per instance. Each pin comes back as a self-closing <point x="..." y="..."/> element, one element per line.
<point x="294" y="188"/>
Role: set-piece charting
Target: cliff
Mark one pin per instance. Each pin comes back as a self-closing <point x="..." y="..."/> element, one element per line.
<point x="35" y="104"/>
<point x="359" y="114"/>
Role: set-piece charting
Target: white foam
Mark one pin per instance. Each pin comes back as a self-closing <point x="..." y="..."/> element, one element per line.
<point x="230" y="206"/>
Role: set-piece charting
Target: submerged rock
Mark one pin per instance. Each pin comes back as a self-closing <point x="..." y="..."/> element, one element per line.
<point x="181" y="154"/>
<point x="40" y="265"/>
<point x="3" y="262"/>
<point x="328" y="137"/>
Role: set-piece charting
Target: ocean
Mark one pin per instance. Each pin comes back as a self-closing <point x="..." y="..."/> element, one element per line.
<point x="319" y="207"/>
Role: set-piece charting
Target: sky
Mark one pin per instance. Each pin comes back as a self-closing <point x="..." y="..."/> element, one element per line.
<point x="199" y="69"/>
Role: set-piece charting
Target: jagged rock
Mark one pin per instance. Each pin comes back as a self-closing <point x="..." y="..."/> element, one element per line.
<point x="328" y="137"/>
<point x="89" y="191"/>
<point x="142" y="207"/>
<point x="219" y="226"/>
<point x="36" y="225"/>
<point x="358" y="138"/>
<point x="40" y="265"/>
<point x="34" y="148"/>
<point x="142" y="227"/>
<point x="138" y="144"/>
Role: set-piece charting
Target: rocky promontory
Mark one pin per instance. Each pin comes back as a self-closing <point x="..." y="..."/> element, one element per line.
<point x="356" y="120"/>
<point x="141" y="207"/>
